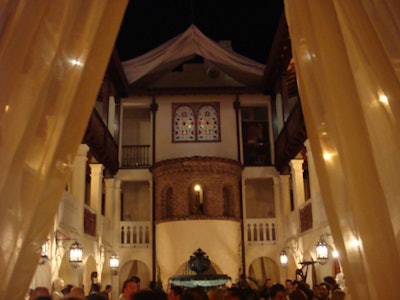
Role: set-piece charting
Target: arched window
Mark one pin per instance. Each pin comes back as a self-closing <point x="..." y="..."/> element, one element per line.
<point x="196" y="122"/>
<point x="184" y="124"/>
<point x="169" y="204"/>
<point x="228" y="202"/>
<point x="196" y="199"/>
<point x="207" y="124"/>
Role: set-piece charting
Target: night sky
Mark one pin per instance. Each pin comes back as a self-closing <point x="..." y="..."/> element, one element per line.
<point x="250" y="25"/>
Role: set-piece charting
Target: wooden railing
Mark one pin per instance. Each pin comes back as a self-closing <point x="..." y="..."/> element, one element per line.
<point x="134" y="156"/>
<point x="89" y="221"/>
<point x="135" y="234"/>
<point x="260" y="231"/>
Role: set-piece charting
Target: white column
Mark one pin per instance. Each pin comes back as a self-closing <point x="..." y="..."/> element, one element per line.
<point x="312" y="172"/>
<point x="78" y="178"/>
<point x="117" y="213"/>
<point x="78" y="181"/>
<point x="285" y="194"/>
<point x="96" y="192"/>
<point x="297" y="181"/>
<point x="96" y="186"/>
<point x="110" y="194"/>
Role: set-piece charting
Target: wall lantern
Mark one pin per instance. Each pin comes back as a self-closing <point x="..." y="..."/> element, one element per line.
<point x="283" y="258"/>
<point x="322" y="250"/>
<point x="114" y="263"/>
<point x="75" y="254"/>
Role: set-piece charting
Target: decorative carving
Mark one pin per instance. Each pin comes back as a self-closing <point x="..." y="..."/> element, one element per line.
<point x="199" y="262"/>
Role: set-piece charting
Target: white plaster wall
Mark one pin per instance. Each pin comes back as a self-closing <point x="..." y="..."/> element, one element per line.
<point x="176" y="242"/>
<point x="165" y="149"/>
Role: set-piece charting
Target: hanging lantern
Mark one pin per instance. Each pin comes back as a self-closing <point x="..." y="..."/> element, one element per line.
<point x="114" y="262"/>
<point x="322" y="250"/>
<point x="283" y="258"/>
<point x="75" y="254"/>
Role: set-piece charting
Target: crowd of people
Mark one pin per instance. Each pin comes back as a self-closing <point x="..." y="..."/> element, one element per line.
<point x="329" y="289"/>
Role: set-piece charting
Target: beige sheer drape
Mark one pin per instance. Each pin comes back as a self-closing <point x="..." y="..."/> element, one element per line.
<point x="53" y="55"/>
<point x="347" y="56"/>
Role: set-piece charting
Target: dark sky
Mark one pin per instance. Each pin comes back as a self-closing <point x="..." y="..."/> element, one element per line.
<point x="249" y="24"/>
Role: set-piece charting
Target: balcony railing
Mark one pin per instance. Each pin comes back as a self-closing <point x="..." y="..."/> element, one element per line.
<point x="67" y="211"/>
<point x="89" y="221"/>
<point x="135" y="156"/>
<point x="261" y="231"/>
<point x="135" y="234"/>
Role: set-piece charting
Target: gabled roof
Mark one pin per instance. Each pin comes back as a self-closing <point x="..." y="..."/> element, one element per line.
<point x="150" y="66"/>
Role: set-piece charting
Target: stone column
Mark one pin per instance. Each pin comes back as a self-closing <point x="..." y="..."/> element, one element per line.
<point x="96" y="191"/>
<point x="297" y="181"/>
<point x="116" y="213"/>
<point x="285" y="194"/>
<point x="78" y="182"/>
<point x="312" y="172"/>
<point x="109" y="194"/>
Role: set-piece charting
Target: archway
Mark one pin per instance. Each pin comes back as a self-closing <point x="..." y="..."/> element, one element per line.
<point x="262" y="268"/>
<point x="134" y="268"/>
<point x="88" y="269"/>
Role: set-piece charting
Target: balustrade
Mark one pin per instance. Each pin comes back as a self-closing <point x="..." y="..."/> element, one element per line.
<point x="67" y="212"/>
<point x="135" y="234"/>
<point x="261" y="231"/>
<point x="134" y="156"/>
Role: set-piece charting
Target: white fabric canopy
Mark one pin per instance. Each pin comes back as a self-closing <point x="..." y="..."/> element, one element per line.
<point x="184" y="47"/>
<point x="347" y="56"/>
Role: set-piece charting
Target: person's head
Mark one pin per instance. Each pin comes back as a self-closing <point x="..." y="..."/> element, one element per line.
<point x="130" y="287"/>
<point x="330" y="281"/>
<point x="289" y="285"/>
<point x="316" y="291"/>
<point x="269" y="283"/>
<point x="108" y="288"/>
<point x="278" y="292"/>
<point x="298" y="295"/>
<point x="217" y="293"/>
<point x="39" y="292"/>
<point x="196" y="293"/>
<point x="148" y="294"/>
<point x="77" y="292"/>
<point x="323" y="291"/>
<point x="175" y="292"/>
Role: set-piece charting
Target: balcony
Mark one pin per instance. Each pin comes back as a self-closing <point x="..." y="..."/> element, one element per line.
<point x="135" y="234"/>
<point x="102" y="144"/>
<point x="67" y="212"/>
<point x="261" y="231"/>
<point x="135" y="156"/>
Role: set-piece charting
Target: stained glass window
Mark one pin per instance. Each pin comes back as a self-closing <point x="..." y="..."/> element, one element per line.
<point x="196" y="122"/>
<point x="207" y="124"/>
<point x="184" y="124"/>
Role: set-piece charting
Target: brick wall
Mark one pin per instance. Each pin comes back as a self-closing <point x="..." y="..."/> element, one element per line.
<point x="175" y="179"/>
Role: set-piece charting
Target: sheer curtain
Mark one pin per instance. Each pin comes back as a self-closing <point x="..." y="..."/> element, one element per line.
<point x="347" y="56"/>
<point x="53" y="55"/>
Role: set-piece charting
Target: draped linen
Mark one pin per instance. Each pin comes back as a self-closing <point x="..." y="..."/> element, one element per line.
<point x="347" y="57"/>
<point x="184" y="47"/>
<point x="53" y="55"/>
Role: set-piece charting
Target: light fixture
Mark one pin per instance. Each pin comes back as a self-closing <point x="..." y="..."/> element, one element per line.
<point x="293" y="247"/>
<point x="114" y="263"/>
<point x="75" y="254"/>
<point x="322" y="250"/>
<point x="75" y="251"/>
<point x="45" y="253"/>
<point x="283" y="258"/>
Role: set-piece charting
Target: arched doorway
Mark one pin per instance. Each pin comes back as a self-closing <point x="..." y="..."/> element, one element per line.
<point x="134" y="268"/>
<point x="262" y="268"/>
<point x="89" y="268"/>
